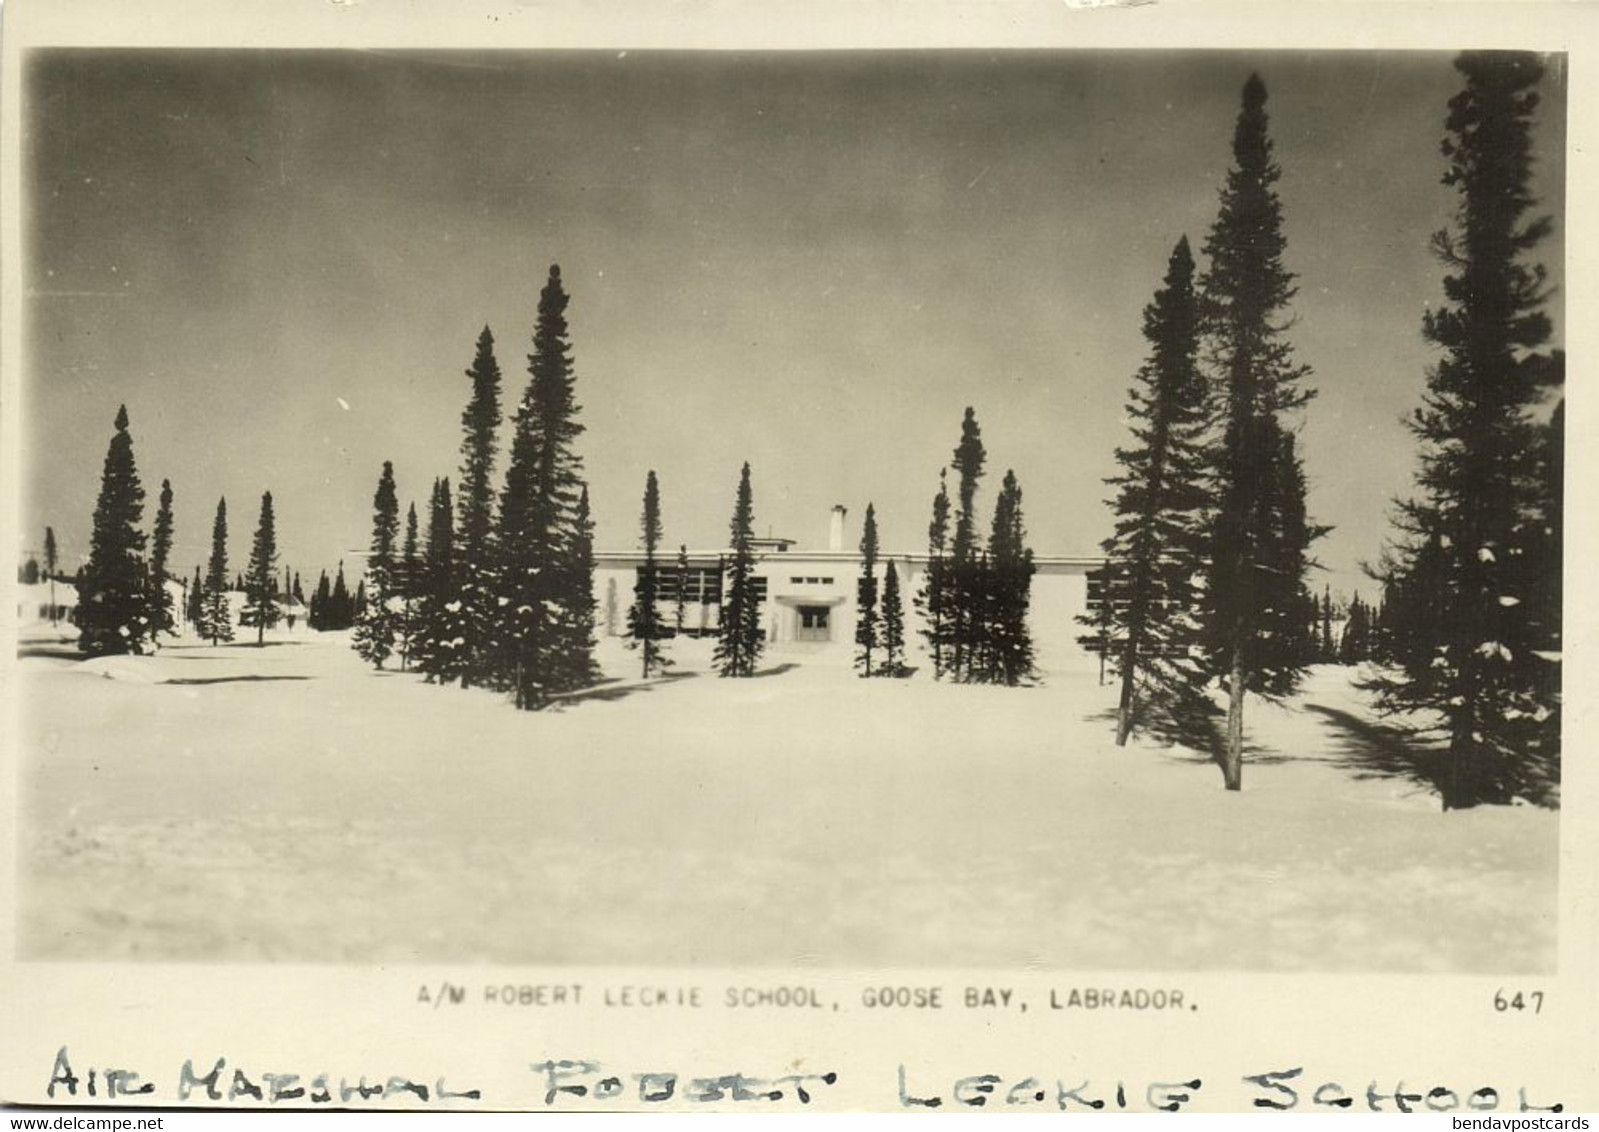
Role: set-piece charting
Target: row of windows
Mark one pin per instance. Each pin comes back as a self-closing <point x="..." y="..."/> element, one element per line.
<point x="797" y="581"/>
<point x="701" y="584"/>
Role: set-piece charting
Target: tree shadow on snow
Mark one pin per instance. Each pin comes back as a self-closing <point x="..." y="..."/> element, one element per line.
<point x="1193" y="725"/>
<point x="1380" y="750"/>
<point x="612" y="688"/>
<point x="54" y="650"/>
<point x="230" y="679"/>
<point x="776" y="669"/>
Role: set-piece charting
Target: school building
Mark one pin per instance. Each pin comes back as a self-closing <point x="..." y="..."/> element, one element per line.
<point x="809" y="597"/>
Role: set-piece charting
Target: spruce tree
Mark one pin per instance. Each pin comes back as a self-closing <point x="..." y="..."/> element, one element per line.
<point x="375" y="629"/>
<point x="1247" y="592"/>
<point x="1325" y="651"/>
<point x="866" y="617"/>
<point x="577" y="666"/>
<point x="440" y="655"/>
<point x="1473" y="582"/>
<point x="341" y="608"/>
<point x="320" y="597"/>
<point x="893" y="625"/>
<point x="738" y="648"/>
<point x="966" y="591"/>
<point x="682" y="589"/>
<point x="407" y="587"/>
<point x="1007" y="645"/>
<point x="50" y="564"/>
<point x="196" y="600"/>
<point x="472" y="622"/>
<point x="113" y="603"/>
<point x="1158" y="540"/>
<point x="544" y="587"/>
<point x="161" y="616"/>
<point x="261" y="581"/>
<point x="643" y="618"/>
<point x="216" y="612"/>
<point x="1355" y="645"/>
<point x="933" y="599"/>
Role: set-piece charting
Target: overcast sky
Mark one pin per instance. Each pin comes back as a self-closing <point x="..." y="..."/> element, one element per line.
<point x="280" y="262"/>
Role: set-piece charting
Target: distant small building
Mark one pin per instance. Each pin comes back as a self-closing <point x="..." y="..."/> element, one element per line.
<point x="33" y="602"/>
<point x="809" y="598"/>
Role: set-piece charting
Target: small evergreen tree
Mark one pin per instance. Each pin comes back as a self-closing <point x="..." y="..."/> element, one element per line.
<point x="866" y="619"/>
<point x="375" y="629"/>
<point x="893" y="625"/>
<point x="162" y="619"/>
<point x="682" y="589"/>
<point x="113" y="604"/>
<point x="216" y="615"/>
<point x="1326" y="653"/>
<point x="50" y="566"/>
<point x="643" y="618"/>
<point x="261" y="583"/>
<point x="738" y="649"/>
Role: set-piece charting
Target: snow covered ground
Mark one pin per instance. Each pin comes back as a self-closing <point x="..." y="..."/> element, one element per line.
<point x="288" y="803"/>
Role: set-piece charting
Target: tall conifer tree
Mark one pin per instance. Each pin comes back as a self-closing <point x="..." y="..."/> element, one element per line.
<point x="408" y="584"/>
<point x="161" y="616"/>
<point x="1472" y="588"/>
<point x="261" y="581"/>
<point x="933" y="600"/>
<point x="966" y="590"/>
<point x="439" y="652"/>
<point x="679" y="608"/>
<point x="1247" y="290"/>
<point x="375" y="629"/>
<point x="50" y="566"/>
<point x="893" y="625"/>
<point x="1160" y="503"/>
<point x="739" y="647"/>
<point x="866" y="615"/>
<point x="216" y="613"/>
<point x="644" y="617"/>
<point x="341" y="607"/>
<point x="113" y="601"/>
<point x="545" y="587"/>
<point x="473" y="621"/>
<point x="1007" y="644"/>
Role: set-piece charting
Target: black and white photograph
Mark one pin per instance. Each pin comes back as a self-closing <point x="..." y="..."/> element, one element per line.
<point x="1050" y="509"/>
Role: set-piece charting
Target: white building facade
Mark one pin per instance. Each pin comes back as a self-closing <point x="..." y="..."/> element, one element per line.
<point x="810" y="598"/>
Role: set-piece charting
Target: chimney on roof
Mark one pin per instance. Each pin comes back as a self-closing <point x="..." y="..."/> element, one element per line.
<point x="835" y="530"/>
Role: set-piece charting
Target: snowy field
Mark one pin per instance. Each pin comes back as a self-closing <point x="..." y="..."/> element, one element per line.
<point x="243" y="803"/>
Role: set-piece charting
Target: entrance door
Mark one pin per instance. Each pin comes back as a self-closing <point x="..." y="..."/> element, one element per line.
<point x="813" y="624"/>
